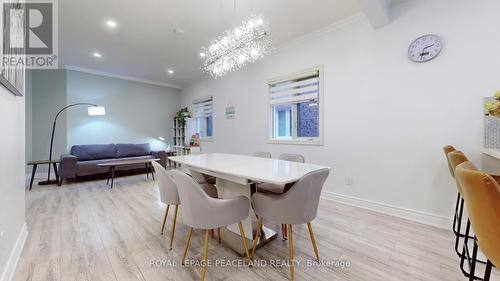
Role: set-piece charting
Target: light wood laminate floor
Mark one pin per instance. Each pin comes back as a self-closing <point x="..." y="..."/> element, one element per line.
<point x="87" y="231"/>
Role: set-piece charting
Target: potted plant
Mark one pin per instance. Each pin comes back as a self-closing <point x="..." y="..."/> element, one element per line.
<point x="181" y="115"/>
<point x="492" y="108"/>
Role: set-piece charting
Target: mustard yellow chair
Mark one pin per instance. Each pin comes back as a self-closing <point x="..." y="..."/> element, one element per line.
<point x="456" y="158"/>
<point x="481" y="193"/>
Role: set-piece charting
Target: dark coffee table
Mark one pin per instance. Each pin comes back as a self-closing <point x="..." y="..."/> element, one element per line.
<point x="112" y="167"/>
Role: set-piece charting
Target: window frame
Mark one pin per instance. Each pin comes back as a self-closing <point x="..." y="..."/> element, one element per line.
<point x="271" y="120"/>
<point x="195" y="119"/>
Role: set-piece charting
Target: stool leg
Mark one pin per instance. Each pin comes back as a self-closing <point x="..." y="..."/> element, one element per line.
<point x="473" y="263"/>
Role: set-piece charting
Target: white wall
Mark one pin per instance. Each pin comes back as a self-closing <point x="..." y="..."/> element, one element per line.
<point x="12" y="177"/>
<point x="386" y="118"/>
<point x="135" y="112"/>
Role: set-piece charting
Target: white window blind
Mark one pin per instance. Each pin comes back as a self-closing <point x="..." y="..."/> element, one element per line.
<point x="300" y="88"/>
<point x="203" y="107"/>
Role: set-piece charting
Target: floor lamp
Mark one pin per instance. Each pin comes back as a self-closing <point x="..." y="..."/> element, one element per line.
<point x="93" y="110"/>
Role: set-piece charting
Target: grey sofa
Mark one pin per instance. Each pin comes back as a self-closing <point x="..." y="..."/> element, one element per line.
<point x="83" y="160"/>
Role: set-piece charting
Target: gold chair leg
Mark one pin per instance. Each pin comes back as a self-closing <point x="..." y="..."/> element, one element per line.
<point x="164" y="220"/>
<point x="205" y="256"/>
<point x="313" y="240"/>
<point x="244" y="240"/>
<point x="219" y="236"/>
<point x="173" y="226"/>
<point x="257" y="235"/>
<point x="290" y="240"/>
<point x="187" y="245"/>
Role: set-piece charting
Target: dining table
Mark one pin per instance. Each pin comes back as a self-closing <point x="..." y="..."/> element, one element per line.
<point x="236" y="175"/>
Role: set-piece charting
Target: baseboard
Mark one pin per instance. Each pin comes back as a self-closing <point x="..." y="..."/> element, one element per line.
<point x="396" y="211"/>
<point x="15" y="254"/>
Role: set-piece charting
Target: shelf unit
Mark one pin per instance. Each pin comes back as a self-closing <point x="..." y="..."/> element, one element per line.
<point x="179" y="138"/>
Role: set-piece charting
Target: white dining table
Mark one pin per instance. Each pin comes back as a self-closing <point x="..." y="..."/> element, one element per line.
<point x="235" y="175"/>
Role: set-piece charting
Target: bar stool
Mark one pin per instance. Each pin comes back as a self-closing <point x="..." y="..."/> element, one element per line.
<point x="482" y="200"/>
<point x="204" y="212"/>
<point x="456" y="158"/>
<point x="297" y="206"/>
<point x="170" y="196"/>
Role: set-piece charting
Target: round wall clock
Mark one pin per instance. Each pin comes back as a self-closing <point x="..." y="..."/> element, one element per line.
<point x="425" y="48"/>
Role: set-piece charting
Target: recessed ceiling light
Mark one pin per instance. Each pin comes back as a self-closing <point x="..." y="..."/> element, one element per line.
<point x="111" y="23"/>
<point x="202" y="55"/>
<point x="97" y="55"/>
<point x="178" y="30"/>
<point x="170" y="71"/>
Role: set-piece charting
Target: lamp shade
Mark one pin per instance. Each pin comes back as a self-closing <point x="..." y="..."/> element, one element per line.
<point x="96" y="110"/>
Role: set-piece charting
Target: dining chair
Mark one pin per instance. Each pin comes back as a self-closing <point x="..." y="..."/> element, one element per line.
<point x="454" y="159"/>
<point x="481" y="193"/>
<point x="262" y="154"/>
<point x="169" y="195"/>
<point x="292" y="157"/>
<point x="201" y="211"/>
<point x="199" y="177"/>
<point x="280" y="189"/>
<point x="297" y="206"/>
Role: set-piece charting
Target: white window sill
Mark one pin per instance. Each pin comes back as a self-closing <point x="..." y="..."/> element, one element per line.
<point x="209" y="139"/>
<point x="296" y="141"/>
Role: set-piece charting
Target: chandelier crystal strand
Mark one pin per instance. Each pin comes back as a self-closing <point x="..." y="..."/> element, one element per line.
<point x="237" y="47"/>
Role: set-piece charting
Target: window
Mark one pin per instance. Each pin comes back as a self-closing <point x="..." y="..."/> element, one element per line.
<point x="203" y="121"/>
<point x="296" y="108"/>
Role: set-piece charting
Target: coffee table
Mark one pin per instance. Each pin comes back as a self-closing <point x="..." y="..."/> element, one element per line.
<point x="112" y="167"/>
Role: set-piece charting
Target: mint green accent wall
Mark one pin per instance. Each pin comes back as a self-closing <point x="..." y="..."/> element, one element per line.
<point x="136" y="112"/>
<point x="46" y="95"/>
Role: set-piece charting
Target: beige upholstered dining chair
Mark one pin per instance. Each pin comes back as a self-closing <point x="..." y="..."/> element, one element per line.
<point x="280" y="189"/>
<point x="200" y="211"/>
<point x="262" y="154"/>
<point x="292" y="157"/>
<point x="170" y="196"/>
<point x="298" y="205"/>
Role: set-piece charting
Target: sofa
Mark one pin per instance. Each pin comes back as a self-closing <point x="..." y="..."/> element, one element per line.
<point x="83" y="160"/>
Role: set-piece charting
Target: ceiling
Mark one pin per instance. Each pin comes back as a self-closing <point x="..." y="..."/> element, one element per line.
<point x="144" y="44"/>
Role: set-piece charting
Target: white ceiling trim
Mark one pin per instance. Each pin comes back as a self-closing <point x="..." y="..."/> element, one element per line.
<point x="118" y="76"/>
<point x="322" y="31"/>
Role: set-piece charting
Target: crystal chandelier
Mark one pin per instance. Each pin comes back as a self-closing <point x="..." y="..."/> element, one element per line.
<point x="236" y="47"/>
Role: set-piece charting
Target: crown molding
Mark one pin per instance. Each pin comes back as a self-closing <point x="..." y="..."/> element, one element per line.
<point x="119" y="76"/>
<point x="358" y="17"/>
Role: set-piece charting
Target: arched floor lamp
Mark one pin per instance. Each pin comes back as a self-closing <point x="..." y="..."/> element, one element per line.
<point x="93" y="110"/>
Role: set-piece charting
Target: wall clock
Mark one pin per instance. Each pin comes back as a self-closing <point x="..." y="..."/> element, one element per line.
<point x="425" y="48"/>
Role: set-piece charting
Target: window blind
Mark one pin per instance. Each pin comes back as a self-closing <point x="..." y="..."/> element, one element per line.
<point x="203" y="107"/>
<point x="295" y="89"/>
